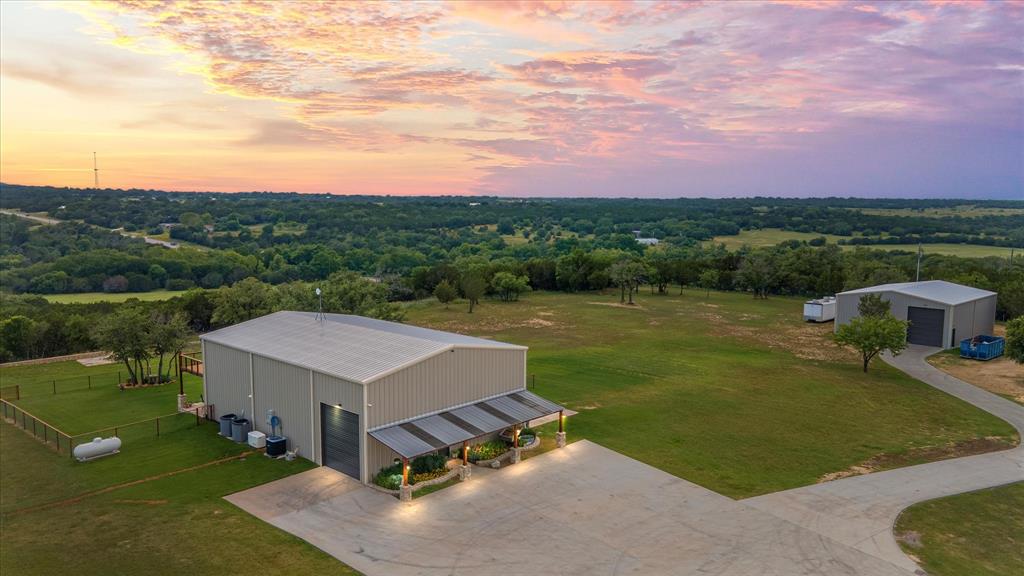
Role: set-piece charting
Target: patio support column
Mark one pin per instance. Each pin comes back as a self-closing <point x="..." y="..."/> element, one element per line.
<point x="560" y="437"/>
<point x="464" y="468"/>
<point x="515" y="445"/>
<point x="405" y="491"/>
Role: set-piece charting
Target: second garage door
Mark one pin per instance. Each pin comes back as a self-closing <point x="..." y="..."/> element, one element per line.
<point x="925" y="326"/>
<point x="339" y="433"/>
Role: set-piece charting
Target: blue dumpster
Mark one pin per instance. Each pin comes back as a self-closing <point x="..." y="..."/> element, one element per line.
<point x="982" y="347"/>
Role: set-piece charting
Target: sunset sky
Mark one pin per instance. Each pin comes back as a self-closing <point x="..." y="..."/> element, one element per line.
<point x="658" y="99"/>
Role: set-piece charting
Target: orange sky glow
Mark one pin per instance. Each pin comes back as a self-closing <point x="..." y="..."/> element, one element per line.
<point x="517" y="98"/>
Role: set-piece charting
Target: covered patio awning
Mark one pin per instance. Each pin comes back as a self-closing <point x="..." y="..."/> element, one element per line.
<point x="430" y="433"/>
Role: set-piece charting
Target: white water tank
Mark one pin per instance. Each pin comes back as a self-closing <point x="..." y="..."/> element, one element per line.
<point x="97" y="448"/>
<point x="257" y="439"/>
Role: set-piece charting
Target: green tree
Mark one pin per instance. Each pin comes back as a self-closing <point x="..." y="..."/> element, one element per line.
<point x="1015" y="339"/>
<point x="708" y="280"/>
<point x="126" y="334"/>
<point x="872" y="335"/>
<point x="16" y="337"/>
<point x="757" y="273"/>
<point x="445" y="293"/>
<point x="509" y="286"/>
<point x="473" y="287"/>
<point x="243" y="301"/>
<point x="349" y="293"/>
<point x="168" y="334"/>
<point x="873" y="305"/>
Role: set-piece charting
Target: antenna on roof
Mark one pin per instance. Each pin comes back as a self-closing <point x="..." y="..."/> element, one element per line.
<point x="95" y="173"/>
<point x="320" y="305"/>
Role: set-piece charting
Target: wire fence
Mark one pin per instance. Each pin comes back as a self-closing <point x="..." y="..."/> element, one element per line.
<point x="49" y="434"/>
<point x="63" y="442"/>
<point x="143" y="429"/>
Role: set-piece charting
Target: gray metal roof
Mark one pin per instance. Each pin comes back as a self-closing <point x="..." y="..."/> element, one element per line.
<point x="934" y="290"/>
<point x="429" y="433"/>
<point x="354" y="348"/>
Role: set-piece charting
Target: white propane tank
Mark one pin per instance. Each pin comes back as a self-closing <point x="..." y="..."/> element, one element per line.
<point x="97" y="448"/>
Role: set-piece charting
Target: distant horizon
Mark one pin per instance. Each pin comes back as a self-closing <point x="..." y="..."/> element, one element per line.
<point x="645" y="99"/>
<point x="501" y="197"/>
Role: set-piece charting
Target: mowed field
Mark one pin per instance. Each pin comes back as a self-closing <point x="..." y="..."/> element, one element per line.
<point x="772" y="236"/>
<point x="93" y="297"/>
<point x="974" y="534"/>
<point x="155" y="508"/>
<point x="735" y="394"/>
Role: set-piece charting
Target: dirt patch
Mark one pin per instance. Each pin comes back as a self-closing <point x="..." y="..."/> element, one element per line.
<point x="1000" y="375"/>
<point x="539" y="323"/>
<point x="479" y="329"/>
<point x="910" y="538"/>
<point x="805" y="340"/>
<point x="145" y="502"/>
<point x="619" y="305"/>
<point x="923" y="454"/>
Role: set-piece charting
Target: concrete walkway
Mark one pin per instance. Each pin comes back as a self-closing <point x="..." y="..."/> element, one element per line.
<point x="861" y="511"/>
<point x="581" y="510"/>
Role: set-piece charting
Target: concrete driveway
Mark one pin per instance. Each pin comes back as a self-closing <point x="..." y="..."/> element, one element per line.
<point x="580" y="510"/>
<point x="861" y="511"/>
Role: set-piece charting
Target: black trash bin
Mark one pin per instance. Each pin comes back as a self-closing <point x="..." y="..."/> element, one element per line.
<point x="240" y="429"/>
<point x="225" y="425"/>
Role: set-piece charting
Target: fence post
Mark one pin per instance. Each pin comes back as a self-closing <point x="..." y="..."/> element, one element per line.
<point x="158" y="426"/>
<point x="45" y="439"/>
<point x="54" y="386"/>
<point x="17" y="391"/>
<point x="89" y="380"/>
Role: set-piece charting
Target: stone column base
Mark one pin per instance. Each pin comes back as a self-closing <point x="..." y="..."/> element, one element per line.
<point x="560" y="439"/>
<point x="464" y="472"/>
<point x="182" y="398"/>
<point x="405" y="493"/>
<point x="515" y="456"/>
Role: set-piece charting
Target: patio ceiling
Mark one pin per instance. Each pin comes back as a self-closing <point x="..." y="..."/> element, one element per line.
<point x="429" y="433"/>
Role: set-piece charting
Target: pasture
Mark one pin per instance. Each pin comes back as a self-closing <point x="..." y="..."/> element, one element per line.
<point x="94" y="297"/>
<point x="771" y="236"/>
<point x="735" y="394"/>
<point x="157" y="503"/>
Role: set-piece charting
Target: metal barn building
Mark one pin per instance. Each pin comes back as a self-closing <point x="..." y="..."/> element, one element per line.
<point x="940" y="313"/>
<point x="355" y="393"/>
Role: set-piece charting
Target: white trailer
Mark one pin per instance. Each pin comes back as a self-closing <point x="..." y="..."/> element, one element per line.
<point x="820" y="309"/>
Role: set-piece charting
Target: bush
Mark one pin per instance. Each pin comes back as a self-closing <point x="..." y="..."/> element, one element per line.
<point x="428" y="463"/>
<point x="389" y="477"/>
<point x="417" y="478"/>
<point x="487" y="450"/>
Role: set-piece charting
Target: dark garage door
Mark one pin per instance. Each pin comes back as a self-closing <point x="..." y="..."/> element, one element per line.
<point x="339" y="437"/>
<point x="925" y="326"/>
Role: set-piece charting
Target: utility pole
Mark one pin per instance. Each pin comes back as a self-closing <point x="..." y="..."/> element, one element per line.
<point x="920" y="251"/>
<point x="95" y="173"/>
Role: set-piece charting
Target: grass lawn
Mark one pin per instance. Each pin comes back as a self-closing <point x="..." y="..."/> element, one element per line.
<point x="93" y="297"/>
<point x="772" y="236"/>
<point x="175" y="525"/>
<point x="736" y="394"/>
<point x="974" y="534"/>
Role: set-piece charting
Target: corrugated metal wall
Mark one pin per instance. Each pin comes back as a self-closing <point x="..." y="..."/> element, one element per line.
<point x="283" y="388"/>
<point x="973" y="318"/>
<point x="846" y="309"/>
<point x="227" y="379"/>
<point x="331" y="390"/>
<point x="378" y="456"/>
<point x="450" y="378"/>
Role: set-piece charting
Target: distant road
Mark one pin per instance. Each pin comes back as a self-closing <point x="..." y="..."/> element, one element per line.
<point x="51" y="221"/>
<point x="40" y="219"/>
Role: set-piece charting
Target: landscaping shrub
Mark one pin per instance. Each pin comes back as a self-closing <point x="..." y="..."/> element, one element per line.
<point x="389" y="477"/>
<point x="487" y="450"/>
<point x="417" y="478"/>
<point x="428" y="463"/>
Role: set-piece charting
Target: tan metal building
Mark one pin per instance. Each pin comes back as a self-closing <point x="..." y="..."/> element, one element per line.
<point x="940" y="313"/>
<point x="340" y="384"/>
